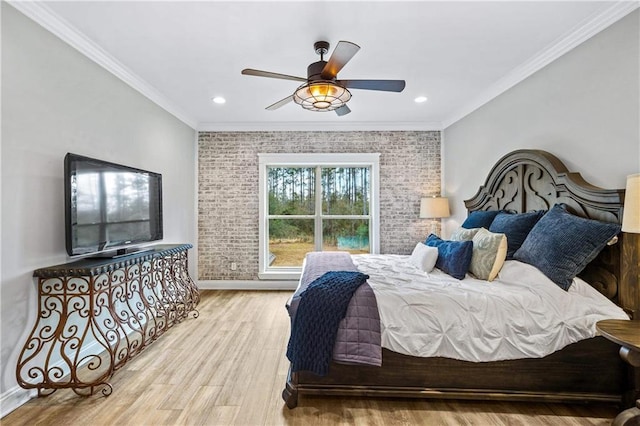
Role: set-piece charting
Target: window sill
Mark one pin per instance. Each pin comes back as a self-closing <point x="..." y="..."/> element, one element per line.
<point x="274" y="275"/>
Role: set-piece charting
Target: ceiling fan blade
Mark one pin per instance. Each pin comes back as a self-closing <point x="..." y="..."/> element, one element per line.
<point x="342" y="54"/>
<point x="258" y="73"/>
<point x="343" y="110"/>
<point x="383" y="85"/>
<point x="280" y="103"/>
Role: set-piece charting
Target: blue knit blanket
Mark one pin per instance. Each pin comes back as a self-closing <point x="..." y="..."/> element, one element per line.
<point x="322" y="306"/>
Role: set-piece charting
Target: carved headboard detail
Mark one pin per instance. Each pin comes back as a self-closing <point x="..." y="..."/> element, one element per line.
<point x="528" y="180"/>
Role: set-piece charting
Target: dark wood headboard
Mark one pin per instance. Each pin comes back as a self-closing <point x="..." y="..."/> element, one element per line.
<point x="528" y="180"/>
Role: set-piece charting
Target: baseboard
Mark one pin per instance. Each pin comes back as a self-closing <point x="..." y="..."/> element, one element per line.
<point x="247" y="285"/>
<point x="14" y="398"/>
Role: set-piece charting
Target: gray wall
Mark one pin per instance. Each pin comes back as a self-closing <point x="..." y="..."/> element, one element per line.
<point x="228" y="189"/>
<point x="54" y="101"/>
<point x="583" y="108"/>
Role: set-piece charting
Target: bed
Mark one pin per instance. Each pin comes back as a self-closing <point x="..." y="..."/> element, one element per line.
<point x="589" y="370"/>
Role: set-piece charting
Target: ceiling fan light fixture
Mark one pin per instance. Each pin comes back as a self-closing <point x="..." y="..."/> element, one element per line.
<point x="321" y="95"/>
<point x="322" y="91"/>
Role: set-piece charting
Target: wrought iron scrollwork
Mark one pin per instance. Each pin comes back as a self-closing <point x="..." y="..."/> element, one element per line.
<point x="92" y="319"/>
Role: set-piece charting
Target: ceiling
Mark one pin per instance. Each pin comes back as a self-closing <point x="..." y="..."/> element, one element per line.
<point x="458" y="54"/>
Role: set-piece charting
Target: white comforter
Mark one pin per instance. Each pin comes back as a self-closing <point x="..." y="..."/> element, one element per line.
<point x="521" y="314"/>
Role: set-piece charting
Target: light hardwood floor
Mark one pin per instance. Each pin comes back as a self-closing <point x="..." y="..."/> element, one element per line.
<point x="227" y="367"/>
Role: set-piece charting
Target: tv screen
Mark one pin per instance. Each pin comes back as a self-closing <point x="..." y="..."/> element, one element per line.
<point x="109" y="206"/>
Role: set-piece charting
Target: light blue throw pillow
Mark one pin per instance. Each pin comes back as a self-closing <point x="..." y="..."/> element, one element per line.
<point x="561" y="244"/>
<point x="464" y="234"/>
<point x="489" y="253"/>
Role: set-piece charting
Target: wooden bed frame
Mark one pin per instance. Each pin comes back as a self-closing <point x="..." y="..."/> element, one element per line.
<point x="589" y="370"/>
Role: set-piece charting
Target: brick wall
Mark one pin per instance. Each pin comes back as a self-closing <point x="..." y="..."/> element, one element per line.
<point x="228" y="189"/>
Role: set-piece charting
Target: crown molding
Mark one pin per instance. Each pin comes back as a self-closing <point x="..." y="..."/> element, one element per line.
<point x="584" y="31"/>
<point x="43" y="15"/>
<point x="290" y="126"/>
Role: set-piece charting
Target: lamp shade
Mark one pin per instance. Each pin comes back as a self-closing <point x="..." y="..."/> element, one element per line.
<point x="434" y="207"/>
<point x="631" y="213"/>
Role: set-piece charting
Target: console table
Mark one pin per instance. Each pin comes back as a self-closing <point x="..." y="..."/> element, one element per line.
<point x="95" y="314"/>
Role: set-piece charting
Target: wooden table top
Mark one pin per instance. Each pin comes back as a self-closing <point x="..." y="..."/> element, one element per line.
<point x="625" y="333"/>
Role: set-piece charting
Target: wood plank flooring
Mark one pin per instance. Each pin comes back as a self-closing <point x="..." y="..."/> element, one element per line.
<point x="228" y="367"/>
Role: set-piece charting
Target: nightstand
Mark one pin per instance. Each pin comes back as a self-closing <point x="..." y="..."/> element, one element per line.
<point x="627" y="335"/>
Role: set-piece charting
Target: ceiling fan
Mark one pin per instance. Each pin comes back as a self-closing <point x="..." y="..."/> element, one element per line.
<point x="321" y="90"/>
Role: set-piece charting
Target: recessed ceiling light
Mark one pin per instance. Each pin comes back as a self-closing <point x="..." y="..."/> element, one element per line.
<point x="219" y="100"/>
<point x="420" y="99"/>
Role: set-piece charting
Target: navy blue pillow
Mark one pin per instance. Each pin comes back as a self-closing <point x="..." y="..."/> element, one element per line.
<point x="480" y="219"/>
<point x="562" y="244"/>
<point x="454" y="257"/>
<point x="516" y="226"/>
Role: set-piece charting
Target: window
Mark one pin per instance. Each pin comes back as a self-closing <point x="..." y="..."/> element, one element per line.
<point x="315" y="202"/>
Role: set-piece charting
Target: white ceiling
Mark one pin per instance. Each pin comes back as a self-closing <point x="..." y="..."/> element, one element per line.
<point x="459" y="54"/>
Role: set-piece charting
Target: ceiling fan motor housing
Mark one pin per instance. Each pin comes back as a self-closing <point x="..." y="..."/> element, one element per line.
<point x="315" y="69"/>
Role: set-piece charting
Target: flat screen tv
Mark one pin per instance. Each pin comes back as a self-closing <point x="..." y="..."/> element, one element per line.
<point x="110" y="209"/>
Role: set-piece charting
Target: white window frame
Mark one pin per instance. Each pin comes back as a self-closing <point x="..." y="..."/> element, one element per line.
<point x="371" y="160"/>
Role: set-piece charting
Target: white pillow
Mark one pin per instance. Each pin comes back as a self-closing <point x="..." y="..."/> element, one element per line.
<point x="424" y="257"/>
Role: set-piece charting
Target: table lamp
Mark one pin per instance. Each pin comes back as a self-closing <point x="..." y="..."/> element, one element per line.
<point x="434" y="208"/>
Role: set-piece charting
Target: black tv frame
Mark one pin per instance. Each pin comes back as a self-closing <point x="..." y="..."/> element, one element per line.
<point x="128" y="247"/>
